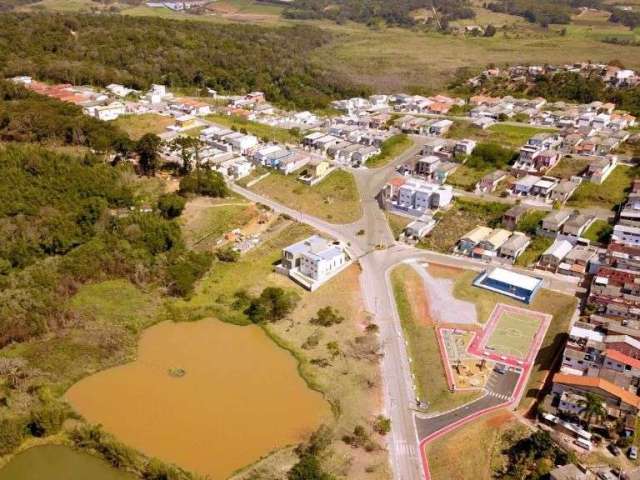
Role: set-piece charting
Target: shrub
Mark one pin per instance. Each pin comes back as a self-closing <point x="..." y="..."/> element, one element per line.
<point x="171" y="205"/>
<point x="327" y="317"/>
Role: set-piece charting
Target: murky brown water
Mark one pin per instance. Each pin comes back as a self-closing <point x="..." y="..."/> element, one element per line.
<point x="240" y="398"/>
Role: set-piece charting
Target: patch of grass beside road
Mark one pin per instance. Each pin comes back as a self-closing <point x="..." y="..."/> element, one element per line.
<point x="611" y="193"/>
<point x="599" y="232"/>
<point x="137" y="125"/>
<point x="335" y="199"/>
<point x="536" y="248"/>
<point x="260" y="130"/>
<point x="390" y="149"/>
<point x="475" y="450"/>
<point x="430" y="377"/>
<point x="513" y="136"/>
<point x="397" y="223"/>
<point x="463" y="217"/>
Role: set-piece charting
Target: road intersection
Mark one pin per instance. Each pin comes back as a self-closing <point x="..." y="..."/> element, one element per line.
<point x="378" y="253"/>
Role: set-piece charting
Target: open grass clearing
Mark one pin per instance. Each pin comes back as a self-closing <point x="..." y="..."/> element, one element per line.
<point x="568" y="167"/>
<point x="397" y="223"/>
<point x="461" y="218"/>
<point x="475" y="450"/>
<point x="599" y="232"/>
<point x="533" y="252"/>
<point x="611" y="193"/>
<point x="508" y="135"/>
<point x="466" y="177"/>
<point x="419" y="332"/>
<point x="205" y="220"/>
<point x="390" y="149"/>
<point x="335" y="199"/>
<point x="260" y="130"/>
<point x="138" y="125"/>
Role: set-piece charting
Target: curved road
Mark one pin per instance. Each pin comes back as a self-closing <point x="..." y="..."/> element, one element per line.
<point x="378" y="253"/>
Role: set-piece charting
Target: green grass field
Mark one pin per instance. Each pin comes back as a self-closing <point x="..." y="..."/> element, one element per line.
<point x="610" y="194"/>
<point x="266" y="132"/>
<point x="334" y="199"/>
<point x="389" y="150"/>
<point x="514" y="334"/>
<point x="137" y="125"/>
<point x="513" y="136"/>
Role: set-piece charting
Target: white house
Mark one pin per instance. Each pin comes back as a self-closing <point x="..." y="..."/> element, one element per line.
<point x="313" y="261"/>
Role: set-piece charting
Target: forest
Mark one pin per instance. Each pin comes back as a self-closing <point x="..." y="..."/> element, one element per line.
<point x="398" y="13"/>
<point x="138" y="51"/>
<point x="26" y="116"/>
<point x="543" y="12"/>
<point x="66" y="220"/>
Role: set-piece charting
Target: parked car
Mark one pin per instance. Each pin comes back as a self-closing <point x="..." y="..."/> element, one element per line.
<point x="500" y="368"/>
<point x="613" y="448"/>
<point x="632" y="453"/>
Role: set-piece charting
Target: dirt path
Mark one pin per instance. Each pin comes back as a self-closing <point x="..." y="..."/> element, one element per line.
<point x="444" y="307"/>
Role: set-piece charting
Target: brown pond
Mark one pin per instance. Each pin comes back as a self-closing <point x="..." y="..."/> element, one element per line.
<point x="240" y="397"/>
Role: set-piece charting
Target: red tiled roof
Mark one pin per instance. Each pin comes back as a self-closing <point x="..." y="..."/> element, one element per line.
<point x="598" y="383"/>
<point x="621" y="357"/>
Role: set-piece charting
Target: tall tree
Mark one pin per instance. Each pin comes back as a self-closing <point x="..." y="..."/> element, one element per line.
<point x="147" y="150"/>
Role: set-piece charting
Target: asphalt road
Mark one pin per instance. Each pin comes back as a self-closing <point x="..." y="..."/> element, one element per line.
<point x="499" y="391"/>
<point x="378" y="253"/>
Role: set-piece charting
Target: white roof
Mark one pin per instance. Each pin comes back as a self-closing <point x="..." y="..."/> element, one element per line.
<point x="513" y="278"/>
<point x="580" y="332"/>
<point x="559" y="249"/>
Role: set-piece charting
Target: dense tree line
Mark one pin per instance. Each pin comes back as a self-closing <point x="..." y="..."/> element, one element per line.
<point x="398" y="12"/>
<point x="65" y="221"/>
<point x="628" y="18"/>
<point x="138" y="51"/>
<point x="26" y="116"/>
<point x="543" y="12"/>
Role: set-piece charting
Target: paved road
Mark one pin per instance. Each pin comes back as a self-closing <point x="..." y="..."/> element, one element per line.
<point x="499" y="391"/>
<point x="376" y="264"/>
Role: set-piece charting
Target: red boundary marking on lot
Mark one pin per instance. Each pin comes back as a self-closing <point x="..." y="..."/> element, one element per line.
<point x="444" y="358"/>
<point x="526" y="368"/>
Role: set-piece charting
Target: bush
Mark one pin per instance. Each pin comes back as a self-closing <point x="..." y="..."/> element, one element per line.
<point x="47" y="420"/>
<point x="273" y="304"/>
<point x="12" y="432"/>
<point x="227" y="254"/>
<point x="171" y="205"/>
<point x="186" y="270"/>
<point x="382" y="425"/>
<point x="327" y="317"/>
<point x="204" y="182"/>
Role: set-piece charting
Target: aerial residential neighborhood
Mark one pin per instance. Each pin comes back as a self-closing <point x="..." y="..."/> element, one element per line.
<point x="313" y="240"/>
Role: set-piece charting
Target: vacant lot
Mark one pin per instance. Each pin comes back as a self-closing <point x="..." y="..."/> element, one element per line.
<point x="334" y="199"/>
<point x="599" y="232"/>
<point x="264" y="132"/>
<point x="610" y="194"/>
<point x="397" y="223"/>
<point x="486" y="440"/>
<point x="533" y="252"/>
<point x="463" y="217"/>
<point x="466" y="177"/>
<point x="137" y="125"/>
<point x="568" y="167"/>
<point x="419" y="332"/>
<point x="205" y="220"/>
<point x="513" y="136"/>
<point x="389" y="150"/>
